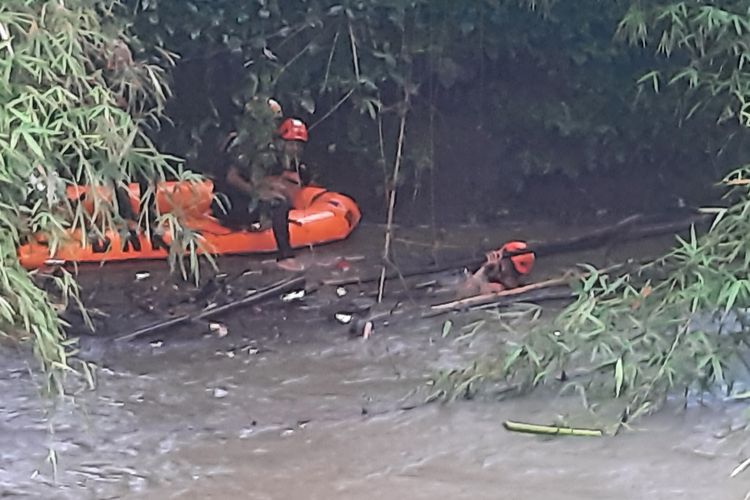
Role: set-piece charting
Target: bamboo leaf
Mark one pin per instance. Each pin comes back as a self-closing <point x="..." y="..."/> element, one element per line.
<point x="32" y="144"/>
<point x="511" y="359"/>
<point x="653" y="77"/>
<point x="447" y="326"/>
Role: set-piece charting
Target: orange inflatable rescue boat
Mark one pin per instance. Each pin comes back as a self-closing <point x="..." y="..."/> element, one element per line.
<point x="318" y="216"/>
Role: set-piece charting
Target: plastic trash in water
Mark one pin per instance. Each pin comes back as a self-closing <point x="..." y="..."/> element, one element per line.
<point x="368" y="330"/>
<point x="218" y="329"/>
<point x="296" y="295"/>
<point x="343" y="318"/>
<point x="343" y="265"/>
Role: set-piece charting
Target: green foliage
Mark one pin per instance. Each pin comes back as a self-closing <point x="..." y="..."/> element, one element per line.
<point x="677" y="324"/>
<point x="710" y="44"/>
<point x="680" y="323"/>
<point x="75" y="109"/>
<point x="552" y="93"/>
<point x="301" y="53"/>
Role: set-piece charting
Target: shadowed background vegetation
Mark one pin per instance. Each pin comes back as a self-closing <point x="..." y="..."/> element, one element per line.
<point x="507" y="100"/>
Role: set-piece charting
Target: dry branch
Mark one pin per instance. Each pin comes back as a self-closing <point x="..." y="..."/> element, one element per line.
<point x="487" y="298"/>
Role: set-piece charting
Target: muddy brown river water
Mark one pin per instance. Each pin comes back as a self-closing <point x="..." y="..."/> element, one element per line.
<point x="288" y="406"/>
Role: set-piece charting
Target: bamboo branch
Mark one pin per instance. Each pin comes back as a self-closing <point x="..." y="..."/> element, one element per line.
<point x="354" y="280"/>
<point x="534" y="296"/>
<point x="530" y="293"/>
<point x="384" y="163"/>
<point x="293" y="60"/>
<point x="355" y="56"/>
<point x="330" y="61"/>
<point x="492" y="297"/>
<point x="518" y="293"/>
<point x="550" y="430"/>
<point x="616" y="232"/>
<point x="332" y="110"/>
<point x="392" y="201"/>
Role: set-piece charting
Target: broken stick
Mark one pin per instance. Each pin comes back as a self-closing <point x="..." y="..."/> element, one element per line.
<point x="258" y="296"/>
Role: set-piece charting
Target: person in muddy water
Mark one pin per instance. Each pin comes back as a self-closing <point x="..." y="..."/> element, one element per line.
<point x="246" y="193"/>
<point x="503" y="270"/>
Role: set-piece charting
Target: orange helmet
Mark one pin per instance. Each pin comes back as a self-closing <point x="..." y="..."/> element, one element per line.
<point x="522" y="263"/>
<point x="293" y="129"/>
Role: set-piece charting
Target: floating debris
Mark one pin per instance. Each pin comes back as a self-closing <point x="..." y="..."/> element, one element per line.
<point x="142" y="276"/>
<point x="220" y="393"/>
<point x="343" y="318"/>
<point x="341" y="291"/>
<point x="291" y="296"/>
<point x="343" y="265"/>
<point x="447" y="326"/>
<point x="250" y="349"/>
<point x="368" y="330"/>
<point x="156" y="343"/>
<point x="219" y="329"/>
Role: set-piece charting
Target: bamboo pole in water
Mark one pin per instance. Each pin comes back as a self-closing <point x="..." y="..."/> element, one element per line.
<point x="550" y="430"/>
